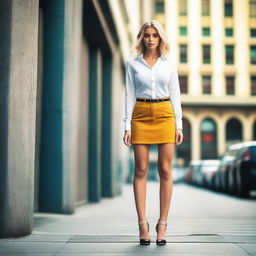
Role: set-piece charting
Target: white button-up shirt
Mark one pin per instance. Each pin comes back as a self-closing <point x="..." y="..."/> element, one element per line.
<point x="158" y="81"/>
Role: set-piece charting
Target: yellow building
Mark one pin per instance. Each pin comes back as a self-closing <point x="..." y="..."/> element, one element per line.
<point x="214" y="43"/>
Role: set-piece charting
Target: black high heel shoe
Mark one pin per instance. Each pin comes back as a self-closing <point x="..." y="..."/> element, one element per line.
<point x="142" y="240"/>
<point x="161" y="222"/>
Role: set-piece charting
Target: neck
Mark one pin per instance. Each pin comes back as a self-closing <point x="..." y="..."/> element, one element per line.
<point x="152" y="53"/>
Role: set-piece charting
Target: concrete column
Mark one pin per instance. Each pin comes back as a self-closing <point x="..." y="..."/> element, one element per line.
<point x="95" y="125"/>
<point x="247" y="130"/>
<point x="172" y="26"/>
<point x="196" y="143"/>
<point x="18" y="82"/>
<point x="221" y="137"/>
<point x="217" y="45"/>
<point x="241" y="55"/>
<point x="194" y="47"/>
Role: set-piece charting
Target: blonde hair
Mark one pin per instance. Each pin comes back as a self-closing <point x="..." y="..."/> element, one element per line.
<point x="164" y="47"/>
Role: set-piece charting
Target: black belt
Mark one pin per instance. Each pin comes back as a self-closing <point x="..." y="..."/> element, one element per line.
<point x="152" y="100"/>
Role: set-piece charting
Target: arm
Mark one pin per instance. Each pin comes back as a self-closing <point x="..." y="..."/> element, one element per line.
<point x="174" y="91"/>
<point x="129" y="96"/>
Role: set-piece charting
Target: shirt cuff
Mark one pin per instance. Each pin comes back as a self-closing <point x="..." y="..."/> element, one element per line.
<point x="127" y="125"/>
<point x="178" y="124"/>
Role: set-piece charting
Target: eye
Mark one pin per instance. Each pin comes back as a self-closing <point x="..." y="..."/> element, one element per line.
<point x="146" y="35"/>
<point x="155" y="35"/>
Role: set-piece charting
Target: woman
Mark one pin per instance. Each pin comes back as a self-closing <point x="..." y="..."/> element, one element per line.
<point x="153" y="115"/>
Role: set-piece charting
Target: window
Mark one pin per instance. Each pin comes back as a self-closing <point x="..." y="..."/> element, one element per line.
<point x="205" y="7"/>
<point x="253" y="54"/>
<point x="206" y="82"/>
<point x="233" y="133"/>
<point x="229" y="32"/>
<point x="253" y="85"/>
<point x="183" y="81"/>
<point x="253" y="32"/>
<point x="183" y="7"/>
<point x="206" y="31"/>
<point x="183" y="31"/>
<point x="159" y="6"/>
<point x="206" y="54"/>
<point x="230" y="85"/>
<point x="208" y="134"/>
<point x="252" y="8"/>
<point x="228" y="8"/>
<point x="183" y="53"/>
<point x="229" y="50"/>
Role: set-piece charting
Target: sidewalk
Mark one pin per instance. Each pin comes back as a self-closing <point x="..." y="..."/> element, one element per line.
<point x="200" y="222"/>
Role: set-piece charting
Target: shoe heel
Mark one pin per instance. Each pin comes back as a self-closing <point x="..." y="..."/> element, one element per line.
<point x="161" y="222"/>
<point x="142" y="240"/>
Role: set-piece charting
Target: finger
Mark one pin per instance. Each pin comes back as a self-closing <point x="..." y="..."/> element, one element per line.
<point x="125" y="140"/>
<point x="129" y="140"/>
<point x="178" y="139"/>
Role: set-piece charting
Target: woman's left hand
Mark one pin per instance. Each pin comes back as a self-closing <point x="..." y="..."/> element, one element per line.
<point x="179" y="137"/>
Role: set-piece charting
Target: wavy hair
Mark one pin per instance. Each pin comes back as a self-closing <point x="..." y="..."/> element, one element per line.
<point x="164" y="46"/>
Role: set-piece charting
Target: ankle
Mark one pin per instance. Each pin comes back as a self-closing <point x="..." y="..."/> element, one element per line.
<point x="142" y="221"/>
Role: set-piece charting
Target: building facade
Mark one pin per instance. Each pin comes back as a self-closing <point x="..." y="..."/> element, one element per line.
<point x="214" y="42"/>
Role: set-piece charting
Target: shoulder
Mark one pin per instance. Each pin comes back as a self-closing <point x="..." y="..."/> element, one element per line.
<point x="131" y="63"/>
<point x="170" y="59"/>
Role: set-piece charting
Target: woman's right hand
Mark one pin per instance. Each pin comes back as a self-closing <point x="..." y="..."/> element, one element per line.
<point x="127" y="138"/>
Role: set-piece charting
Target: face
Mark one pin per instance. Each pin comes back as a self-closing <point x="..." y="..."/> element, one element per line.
<point x="151" y="38"/>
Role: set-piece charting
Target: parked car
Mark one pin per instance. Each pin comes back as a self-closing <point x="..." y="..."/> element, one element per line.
<point x="194" y="167"/>
<point x="208" y="169"/>
<point x="219" y="179"/>
<point x="242" y="173"/>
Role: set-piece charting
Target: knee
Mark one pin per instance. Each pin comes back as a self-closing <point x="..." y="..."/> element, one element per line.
<point x="165" y="172"/>
<point x="141" y="172"/>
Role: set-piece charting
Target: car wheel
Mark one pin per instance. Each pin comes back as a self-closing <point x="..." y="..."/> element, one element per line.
<point x="242" y="191"/>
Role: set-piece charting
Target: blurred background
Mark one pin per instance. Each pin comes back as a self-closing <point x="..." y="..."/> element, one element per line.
<point x="62" y="100"/>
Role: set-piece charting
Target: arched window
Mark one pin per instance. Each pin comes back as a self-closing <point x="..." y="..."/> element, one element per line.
<point x="233" y="131"/>
<point x="208" y="139"/>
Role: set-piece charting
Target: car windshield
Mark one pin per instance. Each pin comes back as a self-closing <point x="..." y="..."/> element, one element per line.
<point x="211" y="168"/>
<point x="228" y="158"/>
<point x="230" y="155"/>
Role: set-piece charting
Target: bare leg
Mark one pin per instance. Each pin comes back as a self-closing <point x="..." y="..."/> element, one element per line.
<point x="165" y="157"/>
<point x="141" y="156"/>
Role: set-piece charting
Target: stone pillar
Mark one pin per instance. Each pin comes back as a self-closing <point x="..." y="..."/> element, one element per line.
<point x="221" y="137"/>
<point x="18" y="83"/>
<point x="247" y="129"/>
<point x="196" y="142"/>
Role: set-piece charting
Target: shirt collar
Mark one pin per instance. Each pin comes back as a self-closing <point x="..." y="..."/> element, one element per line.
<point x="163" y="57"/>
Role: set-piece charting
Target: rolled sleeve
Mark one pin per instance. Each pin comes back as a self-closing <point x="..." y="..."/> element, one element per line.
<point x="175" y="96"/>
<point x="129" y="96"/>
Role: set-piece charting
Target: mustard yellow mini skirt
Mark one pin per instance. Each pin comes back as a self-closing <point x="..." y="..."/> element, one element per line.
<point x="153" y="123"/>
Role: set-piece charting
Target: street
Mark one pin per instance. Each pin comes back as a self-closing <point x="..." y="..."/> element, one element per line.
<point x="201" y="222"/>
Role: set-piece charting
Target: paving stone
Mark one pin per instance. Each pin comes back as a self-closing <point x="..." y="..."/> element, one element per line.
<point x="185" y="248"/>
<point x="28" y="254"/>
<point x="30" y="247"/>
<point x="249" y="248"/>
